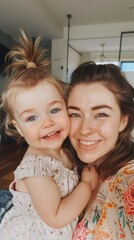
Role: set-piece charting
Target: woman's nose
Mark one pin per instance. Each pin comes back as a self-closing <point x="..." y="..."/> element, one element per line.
<point x="86" y="127"/>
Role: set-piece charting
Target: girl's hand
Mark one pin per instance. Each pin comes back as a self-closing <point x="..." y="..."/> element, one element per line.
<point x="90" y="176"/>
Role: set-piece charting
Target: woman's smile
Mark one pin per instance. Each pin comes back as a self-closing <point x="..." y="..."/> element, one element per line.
<point x="88" y="143"/>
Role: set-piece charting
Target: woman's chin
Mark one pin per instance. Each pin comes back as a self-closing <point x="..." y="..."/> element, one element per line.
<point x="87" y="158"/>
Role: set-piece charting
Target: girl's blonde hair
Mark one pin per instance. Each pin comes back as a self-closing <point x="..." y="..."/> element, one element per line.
<point x="28" y="68"/>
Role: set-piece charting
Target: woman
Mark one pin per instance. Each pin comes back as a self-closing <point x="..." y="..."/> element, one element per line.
<point x="101" y="110"/>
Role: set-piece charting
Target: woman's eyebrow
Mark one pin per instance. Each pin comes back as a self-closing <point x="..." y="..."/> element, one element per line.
<point x="101" y="106"/>
<point x="74" y="108"/>
<point x="93" y="108"/>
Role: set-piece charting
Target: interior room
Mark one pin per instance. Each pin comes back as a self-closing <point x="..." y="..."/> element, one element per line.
<point x="74" y="32"/>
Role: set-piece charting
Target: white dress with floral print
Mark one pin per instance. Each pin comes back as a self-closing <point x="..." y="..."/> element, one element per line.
<point x="22" y="222"/>
<point x="111" y="216"/>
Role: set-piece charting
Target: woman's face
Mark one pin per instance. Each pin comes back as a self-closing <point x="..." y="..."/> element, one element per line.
<point x="95" y="121"/>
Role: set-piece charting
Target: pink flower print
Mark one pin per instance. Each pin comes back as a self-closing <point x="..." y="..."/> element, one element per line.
<point x="129" y="199"/>
<point x="80" y="231"/>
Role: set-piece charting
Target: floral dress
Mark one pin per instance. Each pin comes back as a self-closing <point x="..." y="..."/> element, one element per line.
<point x="22" y="222"/>
<point x="111" y="216"/>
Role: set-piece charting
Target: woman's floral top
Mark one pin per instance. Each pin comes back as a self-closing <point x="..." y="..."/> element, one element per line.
<point x="111" y="216"/>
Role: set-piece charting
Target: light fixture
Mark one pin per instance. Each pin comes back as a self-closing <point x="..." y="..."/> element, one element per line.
<point x="102" y="57"/>
<point x="68" y="17"/>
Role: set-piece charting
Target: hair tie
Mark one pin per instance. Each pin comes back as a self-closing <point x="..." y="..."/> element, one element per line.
<point x="31" y="65"/>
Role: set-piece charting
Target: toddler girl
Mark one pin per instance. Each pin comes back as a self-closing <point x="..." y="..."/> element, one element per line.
<point x="47" y="197"/>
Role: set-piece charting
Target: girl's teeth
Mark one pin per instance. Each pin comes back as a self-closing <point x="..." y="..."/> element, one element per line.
<point x="51" y="134"/>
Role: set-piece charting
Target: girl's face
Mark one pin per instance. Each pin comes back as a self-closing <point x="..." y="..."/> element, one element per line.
<point x="41" y="117"/>
<point x="95" y="121"/>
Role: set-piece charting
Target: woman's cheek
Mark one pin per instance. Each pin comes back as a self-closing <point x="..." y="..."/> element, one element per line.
<point x="74" y="126"/>
<point x="105" y="129"/>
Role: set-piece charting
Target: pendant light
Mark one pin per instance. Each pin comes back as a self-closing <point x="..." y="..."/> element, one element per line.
<point x="102" y="57"/>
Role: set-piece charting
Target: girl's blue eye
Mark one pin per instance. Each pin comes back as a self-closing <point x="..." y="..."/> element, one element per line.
<point x="55" y="110"/>
<point x="32" y="118"/>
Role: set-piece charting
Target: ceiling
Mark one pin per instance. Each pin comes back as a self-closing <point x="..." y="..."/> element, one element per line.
<point x="49" y="17"/>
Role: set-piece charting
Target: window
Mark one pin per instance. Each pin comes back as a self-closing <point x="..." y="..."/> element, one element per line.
<point x="127" y="66"/>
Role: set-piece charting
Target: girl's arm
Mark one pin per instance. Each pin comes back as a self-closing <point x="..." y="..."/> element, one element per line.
<point x="54" y="210"/>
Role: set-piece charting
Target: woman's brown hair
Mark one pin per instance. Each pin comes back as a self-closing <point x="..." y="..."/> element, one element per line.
<point x="111" y="77"/>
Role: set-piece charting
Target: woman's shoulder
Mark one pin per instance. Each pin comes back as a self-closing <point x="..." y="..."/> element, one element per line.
<point x="121" y="189"/>
<point x="124" y="175"/>
<point x="121" y="185"/>
<point x="126" y="170"/>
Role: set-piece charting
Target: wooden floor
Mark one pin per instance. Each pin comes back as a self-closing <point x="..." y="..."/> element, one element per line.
<point x="10" y="156"/>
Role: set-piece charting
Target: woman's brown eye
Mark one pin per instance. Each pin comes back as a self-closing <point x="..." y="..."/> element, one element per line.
<point x="73" y="115"/>
<point x="101" y="115"/>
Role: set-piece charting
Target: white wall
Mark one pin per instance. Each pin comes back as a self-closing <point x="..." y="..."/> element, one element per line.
<point x="74" y="61"/>
<point x="99" y="30"/>
<point x="130" y="77"/>
<point x="59" y="59"/>
<point x="59" y="46"/>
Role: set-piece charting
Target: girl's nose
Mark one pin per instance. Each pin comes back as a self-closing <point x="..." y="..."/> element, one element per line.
<point x="47" y="123"/>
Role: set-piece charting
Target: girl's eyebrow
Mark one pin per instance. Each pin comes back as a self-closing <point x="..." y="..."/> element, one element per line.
<point x="93" y="108"/>
<point x="26" y="111"/>
<point x="54" y="102"/>
<point x="31" y="110"/>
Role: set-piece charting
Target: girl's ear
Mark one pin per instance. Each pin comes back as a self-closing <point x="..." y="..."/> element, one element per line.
<point x="124" y="122"/>
<point x="17" y="127"/>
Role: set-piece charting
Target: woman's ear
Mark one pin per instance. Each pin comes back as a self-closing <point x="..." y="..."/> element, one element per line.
<point x="17" y="127"/>
<point x="124" y="122"/>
